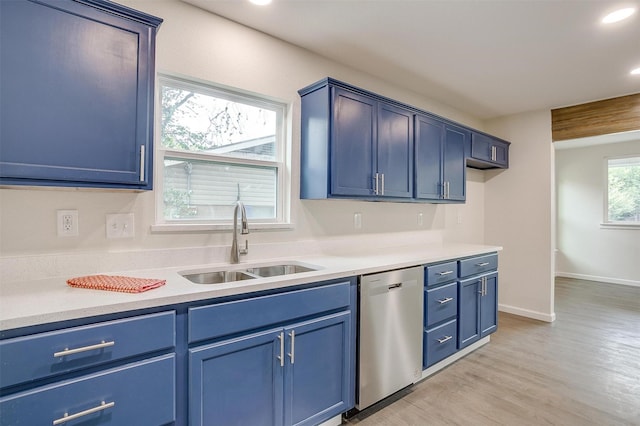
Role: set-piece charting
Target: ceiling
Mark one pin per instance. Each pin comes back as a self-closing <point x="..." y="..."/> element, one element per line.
<point x="485" y="57"/>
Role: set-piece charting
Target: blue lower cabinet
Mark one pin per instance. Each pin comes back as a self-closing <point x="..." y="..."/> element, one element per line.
<point x="297" y="375"/>
<point x="477" y="309"/>
<point x="440" y="342"/>
<point x="140" y="393"/>
<point x="237" y="382"/>
<point x="317" y="370"/>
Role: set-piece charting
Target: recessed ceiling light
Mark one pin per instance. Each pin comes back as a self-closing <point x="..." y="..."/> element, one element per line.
<point x="618" y="15"/>
<point x="260" y="2"/>
<point x="635" y="71"/>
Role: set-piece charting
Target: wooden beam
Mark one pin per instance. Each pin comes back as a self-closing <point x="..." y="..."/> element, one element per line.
<point x="596" y="118"/>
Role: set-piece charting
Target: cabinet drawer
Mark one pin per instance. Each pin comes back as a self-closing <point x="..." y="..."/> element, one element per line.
<point x="49" y="354"/>
<point x="440" y="273"/>
<point x="141" y="393"/>
<point x="478" y="265"/>
<point x="441" y="303"/>
<point x="440" y="342"/>
<point x="209" y="322"/>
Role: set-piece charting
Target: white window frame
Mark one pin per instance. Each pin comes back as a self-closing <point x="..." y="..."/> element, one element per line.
<point x="282" y="162"/>
<point x="606" y="223"/>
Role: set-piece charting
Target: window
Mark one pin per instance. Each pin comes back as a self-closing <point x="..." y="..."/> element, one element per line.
<point x="622" y="200"/>
<point x="218" y="146"/>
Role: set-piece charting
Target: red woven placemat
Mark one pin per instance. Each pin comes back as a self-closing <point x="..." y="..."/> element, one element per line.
<point x="116" y="283"/>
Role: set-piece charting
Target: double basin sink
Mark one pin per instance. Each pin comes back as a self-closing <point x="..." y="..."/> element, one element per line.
<point x="221" y="276"/>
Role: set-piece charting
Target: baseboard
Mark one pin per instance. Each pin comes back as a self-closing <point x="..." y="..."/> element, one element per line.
<point x="527" y="313"/>
<point x="596" y="278"/>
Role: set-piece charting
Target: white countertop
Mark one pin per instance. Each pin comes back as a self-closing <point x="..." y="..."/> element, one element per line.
<point x="44" y="301"/>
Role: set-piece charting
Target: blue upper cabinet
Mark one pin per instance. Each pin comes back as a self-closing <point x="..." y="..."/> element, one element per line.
<point x="395" y="152"/>
<point x="440" y="160"/>
<point x="354" y="145"/>
<point x="76" y="94"/>
<point x="488" y="152"/>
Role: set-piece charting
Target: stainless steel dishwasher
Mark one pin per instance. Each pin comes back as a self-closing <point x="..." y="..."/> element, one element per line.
<point x="390" y="333"/>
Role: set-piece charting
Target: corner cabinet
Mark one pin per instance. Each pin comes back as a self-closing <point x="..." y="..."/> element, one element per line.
<point x="354" y="145"/>
<point x="77" y="90"/>
<point x="440" y="173"/>
<point x="488" y="152"/>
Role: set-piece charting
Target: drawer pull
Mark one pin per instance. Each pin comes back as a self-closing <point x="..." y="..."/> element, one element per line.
<point x="482" y="264"/>
<point x="446" y="300"/>
<point x="67" y="418"/>
<point x="445" y="273"/>
<point x="444" y="339"/>
<point x="68" y="351"/>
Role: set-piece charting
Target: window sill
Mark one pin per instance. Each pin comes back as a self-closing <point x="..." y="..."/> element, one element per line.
<point x="620" y="226"/>
<point x="210" y="228"/>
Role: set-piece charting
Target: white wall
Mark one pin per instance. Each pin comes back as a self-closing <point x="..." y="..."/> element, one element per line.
<point x="519" y="215"/>
<point x="196" y="43"/>
<point x="585" y="249"/>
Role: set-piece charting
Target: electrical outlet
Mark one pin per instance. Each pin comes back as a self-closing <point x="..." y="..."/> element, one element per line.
<point x="68" y="223"/>
<point x="120" y="225"/>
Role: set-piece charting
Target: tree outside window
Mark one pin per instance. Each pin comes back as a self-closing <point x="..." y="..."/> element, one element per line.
<point x="623" y="190"/>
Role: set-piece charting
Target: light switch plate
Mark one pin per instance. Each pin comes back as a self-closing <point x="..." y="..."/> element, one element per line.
<point x="120" y="225"/>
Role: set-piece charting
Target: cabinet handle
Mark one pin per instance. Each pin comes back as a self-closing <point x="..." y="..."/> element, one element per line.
<point x="281" y="357"/>
<point x="445" y="273"/>
<point x="292" y="354"/>
<point x="142" y="162"/>
<point x="493" y="153"/>
<point x="67" y="418"/>
<point x="482" y="264"/>
<point x="375" y="186"/>
<point x="446" y="300"/>
<point x="68" y="351"/>
<point x="444" y="339"/>
<point x="382" y="179"/>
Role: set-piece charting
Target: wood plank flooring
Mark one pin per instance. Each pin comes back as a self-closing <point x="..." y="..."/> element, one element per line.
<point x="583" y="369"/>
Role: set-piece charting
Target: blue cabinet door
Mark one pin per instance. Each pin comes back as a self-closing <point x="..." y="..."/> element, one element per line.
<point x="395" y="151"/>
<point x="352" y="144"/>
<point x="489" y="306"/>
<point x="469" y="311"/>
<point x="76" y="105"/>
<point x="440" y="160"/>
<point x="478" y="308"/>
<point x="317" y="373"/>
<point x="428" y="151"/>
<point x="237" y="382"/>
<point x="454" y="162"/>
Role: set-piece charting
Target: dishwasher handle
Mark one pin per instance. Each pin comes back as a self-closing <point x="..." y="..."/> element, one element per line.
<point x="394" y="286"/>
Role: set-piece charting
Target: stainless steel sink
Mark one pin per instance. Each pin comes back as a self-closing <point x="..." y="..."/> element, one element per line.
<point x="218" y="277"/>
<point x="260" y="271"/>
<point x="276" y="270"/>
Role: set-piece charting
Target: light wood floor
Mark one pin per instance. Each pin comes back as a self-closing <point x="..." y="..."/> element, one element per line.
<point x="583" y="369"/>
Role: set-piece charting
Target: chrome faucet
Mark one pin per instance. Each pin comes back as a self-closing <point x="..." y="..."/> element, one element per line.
<point x="235" y="250"/>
